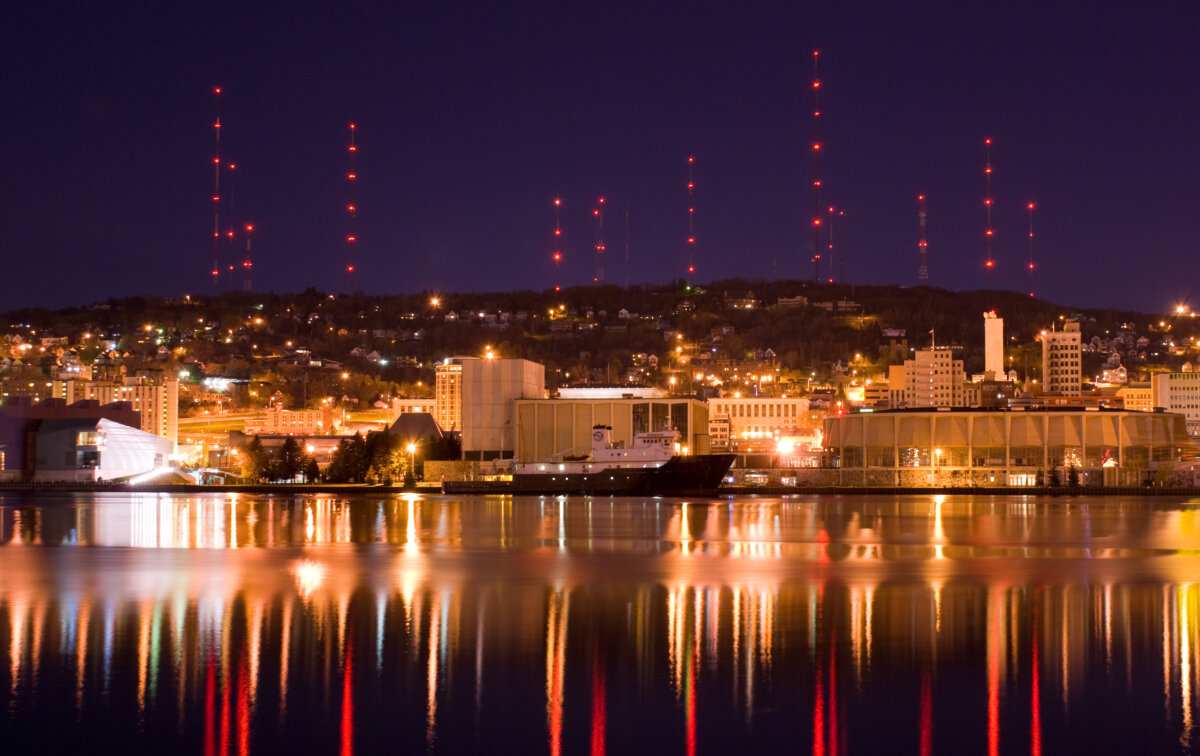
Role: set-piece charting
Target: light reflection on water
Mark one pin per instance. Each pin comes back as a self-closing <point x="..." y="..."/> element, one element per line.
<point x="226" y="624"/>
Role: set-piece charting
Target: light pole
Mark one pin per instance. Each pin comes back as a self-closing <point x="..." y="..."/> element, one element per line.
<point x="412" y="464"/>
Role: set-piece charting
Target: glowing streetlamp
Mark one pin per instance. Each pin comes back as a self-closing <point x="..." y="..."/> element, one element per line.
<point x="412" y="464"/>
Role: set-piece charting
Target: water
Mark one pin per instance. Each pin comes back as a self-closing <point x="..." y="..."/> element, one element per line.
<point x="952" y="624"/>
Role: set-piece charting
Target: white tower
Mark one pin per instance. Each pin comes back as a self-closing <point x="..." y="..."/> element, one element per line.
<point x="993" y="346"/>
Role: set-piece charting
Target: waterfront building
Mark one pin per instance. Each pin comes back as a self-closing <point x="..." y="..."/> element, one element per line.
<point x="549" y="429"/>
<point x="1062" y="372"/>
<point x="995" y="447"/>
<point x="84" y="450"/>
<point x="740" y="418"/>
<point x="1179" y="392"/>
<point x="475" y="395"/>
<point x="993" y="346"/>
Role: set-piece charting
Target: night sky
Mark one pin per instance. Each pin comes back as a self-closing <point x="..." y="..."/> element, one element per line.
<point x="473" y="117"/>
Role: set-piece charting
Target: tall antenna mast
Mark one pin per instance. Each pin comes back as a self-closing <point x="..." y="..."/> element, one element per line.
<point x="691" y="235"/>
<point x="816" y="153"/>
<point x="229" y="232"/>
<point x="216" y="195"/>
<point x="599" y="213"/>
<point x="351" y="212"/>
<point x="841" y="215"/>
<point x="1030" y="208"/>
<point x="833" y="215"/>
<point x="922" y="245"/>
<point x="246" y="262"/>
<point x="990" y="262"/>
<point x="556" y="256"/>
<point x="626" y="242"/>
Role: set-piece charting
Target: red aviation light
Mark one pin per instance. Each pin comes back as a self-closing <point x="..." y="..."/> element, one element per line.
<point x="691" y="186"/>
<point x="691" y="159"/>
<point x="816" y="85"/>
<point x="350" y="208"/>
<point x="216" y="272"/>
<point x="691" y="240"/>
<point x="989" y="264"/>
<point x="557" y="257"/>
<point x="987" y="142"/>
<point x="349" y="268"/>
<point x="1030" y="205"/>
<point x="1031" y="266"/>
<point x="558" y="232"/>
<point x="353" y="148"/>
<point x="217" y="125"/>
<point x="351" y="176"/>
<point x="989" y="232"/>
<point x="601" y="200"/>
<point x="216" y="198"/>
<point x="217" y="90"/>
<point x="249" y="228"/>
<point x="816" y="183"/>
<point x="596" y="212"/>
<point x="920" y="197"/>
<point x="988" y="170"/>
<point x="557" y="202"/>
<point x="230" y="233"/>
<point x="831" y="209"/>
<point x="351" y="238"/>
<point x="216" y="161"/>
<point x="988" y="201"/>
<point x="816" y="114"/>
<point x="691" y="269"/>
<point x="816" y="146"/>
<point x="816" y="221"/>
<point x="232" y="166"/>
<point x="558" y="288"/>
<point x="216" y="235"/>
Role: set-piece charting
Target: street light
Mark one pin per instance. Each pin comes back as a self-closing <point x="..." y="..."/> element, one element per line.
<point x="412" y="464"/>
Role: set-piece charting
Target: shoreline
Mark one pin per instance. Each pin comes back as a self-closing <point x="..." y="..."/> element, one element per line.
<point x="298" y="489"/>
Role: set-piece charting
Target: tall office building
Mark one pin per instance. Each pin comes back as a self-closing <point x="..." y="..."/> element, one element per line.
<point x="1179" y="393"/>
<point x="475" y="396"/>
<point x="933" y="378"/>
<point x="1062" y="351"/>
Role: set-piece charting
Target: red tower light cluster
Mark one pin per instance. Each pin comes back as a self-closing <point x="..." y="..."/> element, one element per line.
<point x="351" y="210"/>
<point x="556" y="256"/>
<point x="836" y="215"/>
<point x="922" y="245"/>
<point x="1030" y="207"/>
<point x="216" y="195"/>
<point x="247" y="263"/>
<point x="599" y="215"/>
<point x="816" y="156"/>
<point x="989" y="262"/>
<point x="691" y="232"/>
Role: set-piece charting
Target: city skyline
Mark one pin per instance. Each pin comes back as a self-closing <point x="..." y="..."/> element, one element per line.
<point x="472" y="121"/>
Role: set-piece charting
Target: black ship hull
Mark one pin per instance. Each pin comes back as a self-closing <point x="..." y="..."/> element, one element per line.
<point x="692" y="475"/>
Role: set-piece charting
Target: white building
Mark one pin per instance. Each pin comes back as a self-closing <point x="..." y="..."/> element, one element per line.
<point x="1179" y="393"/>
<point x="1062" y="373"/>
<point x="993" y="345"/>
<point x="283" y="422"/>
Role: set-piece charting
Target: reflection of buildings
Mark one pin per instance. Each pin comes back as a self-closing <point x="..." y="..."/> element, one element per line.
<point x="720" y="617"/>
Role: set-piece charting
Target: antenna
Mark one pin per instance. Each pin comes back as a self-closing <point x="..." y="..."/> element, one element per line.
<point x="246" y="262"/>
<point x="1030" y="207"/>
<point x="230" y="169"/>
<point x="922" y="245"/>
<point x="626" y="242"/>
<point x="841" y="216"/>
<point x="557" y="253"/>
<point x="816" y="153"/>
<point x="599" y="214"/>
<point x="691" y="235"/>
<point x="990" y="262"/>
<point x="833" y="216"/>
<point x="351" y="212"/>
<point x="216" y="195"/>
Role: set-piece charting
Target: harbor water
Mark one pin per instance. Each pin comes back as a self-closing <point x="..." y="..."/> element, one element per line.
<point x="226" y="624"/>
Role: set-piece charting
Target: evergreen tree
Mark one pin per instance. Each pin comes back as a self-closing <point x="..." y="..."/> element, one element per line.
<point x="290" y="459"/>
<point x="1073" y="476"/>
<point x="312" y="472"/>
<point x="254" y="461"/>
<point x="1055" y="477"/>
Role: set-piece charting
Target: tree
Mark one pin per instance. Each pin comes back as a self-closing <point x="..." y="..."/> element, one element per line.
<point x="290" y="460"/>
<point x="1055" y="477"/>
<point x="1073" y="476"/>
<point x="311" y="471"/>
<point x="254" y="460"/>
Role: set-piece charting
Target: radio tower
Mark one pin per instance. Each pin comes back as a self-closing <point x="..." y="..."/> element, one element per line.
<point x="557" y="256"/>
<point x="352" y="213"/>
<point x="691" y="235"/>
<point x="990" y="262"/>
<point x="599" y="213"/>
<point x="230" y="169"/>
<point x="834" y="215"/>
<point x="246" y="262"/>
<point x="1030" y="208"/>
<point x="816" y="153"/>
<point x="216" y="195"/>
<point x="922" y="245"/>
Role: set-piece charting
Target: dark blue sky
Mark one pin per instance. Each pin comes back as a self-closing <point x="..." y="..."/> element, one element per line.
<point x="473" y="117"/>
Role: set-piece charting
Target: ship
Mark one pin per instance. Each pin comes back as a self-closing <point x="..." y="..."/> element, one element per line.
<point x="652" y="465"/>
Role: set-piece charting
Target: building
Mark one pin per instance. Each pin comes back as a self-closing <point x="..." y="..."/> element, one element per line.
<point x="739" y="418"/>
<point x="1179" y="392"/>
<point x="156" y="400"/>
<point x="1137" y="396"/>
<point x="933" y="378"/>
<point x="283" y="422"/>
<point x="475" y="395"/>
<point x="993" y="346"/>
<point x="1062" y="371"/>
<point x="999" y="448"/>
<point x="20" y="417"/>
<point x="549" y="429"/>
<point x="80" y="450"/>
<point x="421" y="406"/>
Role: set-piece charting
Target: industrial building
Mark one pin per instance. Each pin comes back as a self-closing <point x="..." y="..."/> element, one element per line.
<point x="475" y="395"/>
<point x="548" y="429"/>
<point x="997" y="447"/>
